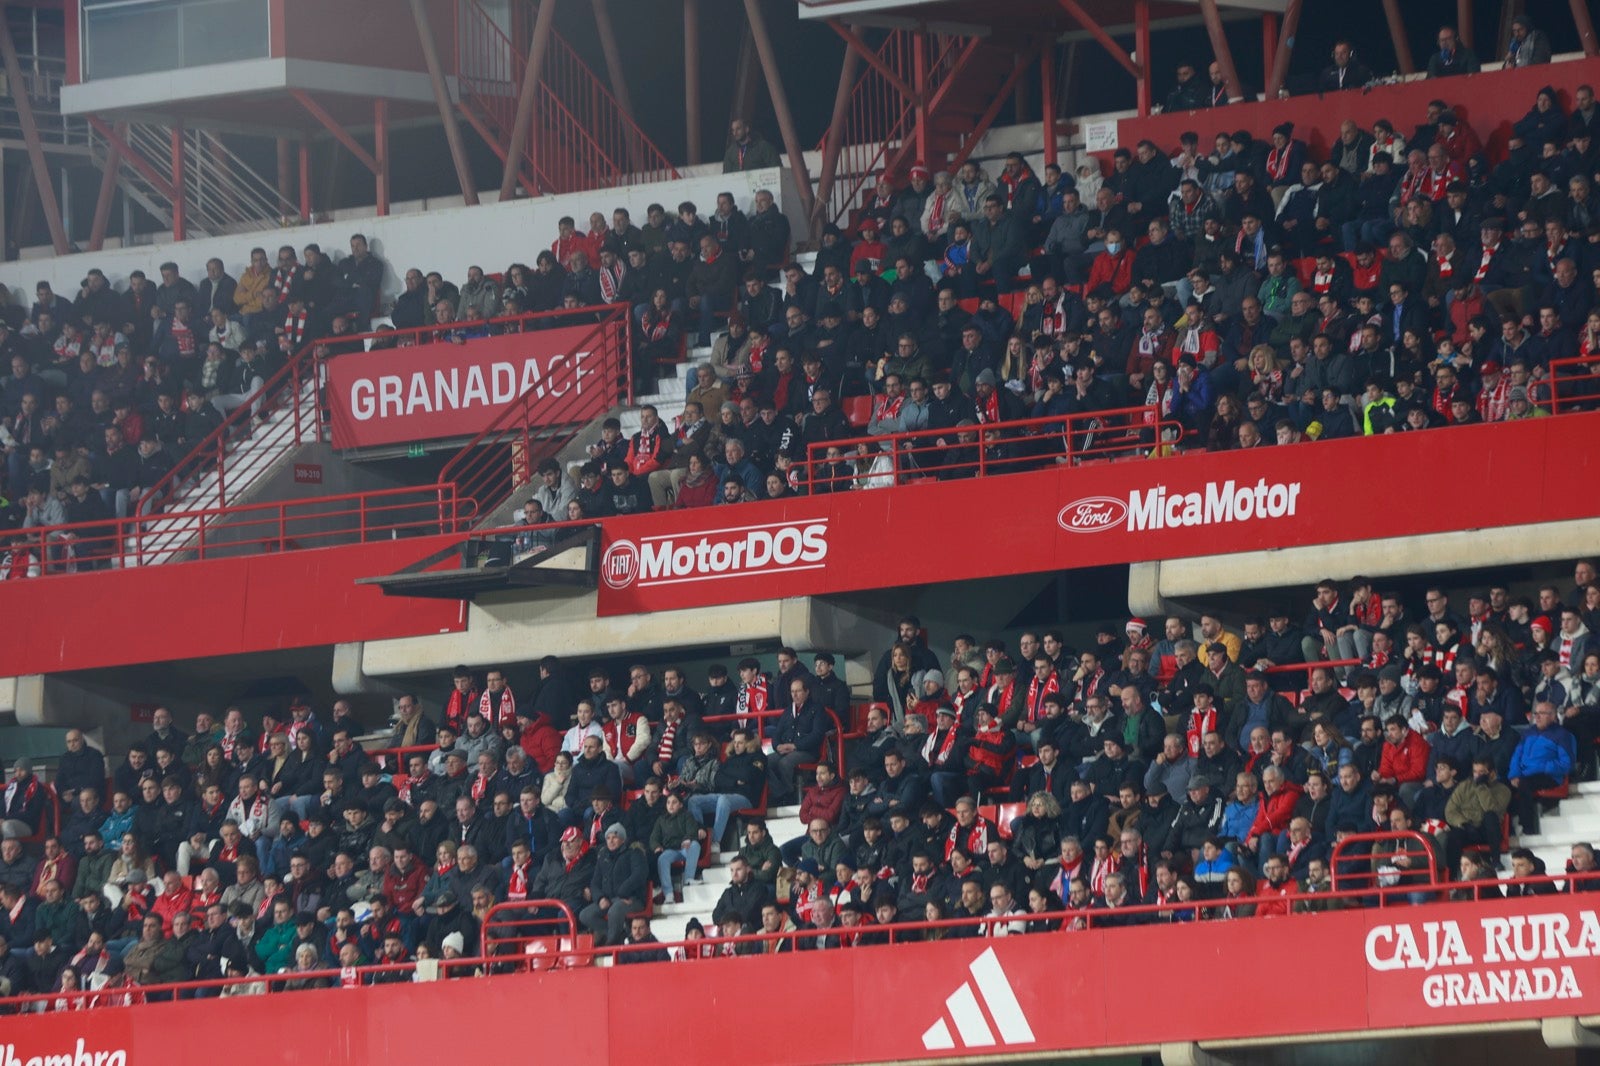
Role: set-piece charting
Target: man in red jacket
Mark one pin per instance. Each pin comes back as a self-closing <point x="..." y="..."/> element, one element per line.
<point x="1404" y="762"/>
<point x="1278" y="798"/>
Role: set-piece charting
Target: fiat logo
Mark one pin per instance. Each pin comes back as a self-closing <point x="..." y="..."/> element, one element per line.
<point x="620" y="564"/>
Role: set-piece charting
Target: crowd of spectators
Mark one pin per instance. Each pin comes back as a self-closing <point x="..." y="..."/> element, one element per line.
<point x="1150" y="768"/>
<point x="1256" y="295"/>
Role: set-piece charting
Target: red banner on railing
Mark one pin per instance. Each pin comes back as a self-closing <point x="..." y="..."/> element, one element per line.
<point x="1063" y="517"/>
<point x="967" y="999"/>
<point x="445" y="390"/>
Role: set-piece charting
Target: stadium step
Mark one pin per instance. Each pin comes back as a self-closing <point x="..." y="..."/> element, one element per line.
<point x="699" y="900"/>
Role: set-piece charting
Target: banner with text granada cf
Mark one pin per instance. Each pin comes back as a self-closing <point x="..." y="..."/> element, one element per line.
<point x="1062" y="518"/>
<point x="444" y="390"/>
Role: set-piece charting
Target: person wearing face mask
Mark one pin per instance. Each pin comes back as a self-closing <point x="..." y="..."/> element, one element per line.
<point x="1113" y="267"/>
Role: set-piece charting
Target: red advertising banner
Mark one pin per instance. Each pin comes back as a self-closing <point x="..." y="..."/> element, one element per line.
<point x="1062" y="517"/>
<point x="441" y="390"/>
<point x="1353" y="972"/>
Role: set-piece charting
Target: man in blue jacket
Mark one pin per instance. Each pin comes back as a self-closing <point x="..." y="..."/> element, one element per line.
<point x="1543" y="760"/>
<point x="796" y="739"/>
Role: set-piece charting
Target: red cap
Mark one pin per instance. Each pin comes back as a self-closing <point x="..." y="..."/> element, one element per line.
<point x="1491" y="367"/>
<point x="571" y="834"/>
<point x="1543" y="622"/>
<point x="919" y="171"/>
<point x="1137" y="623"/>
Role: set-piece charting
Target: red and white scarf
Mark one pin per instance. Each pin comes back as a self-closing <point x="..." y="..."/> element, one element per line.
<point x="507" y="714"/>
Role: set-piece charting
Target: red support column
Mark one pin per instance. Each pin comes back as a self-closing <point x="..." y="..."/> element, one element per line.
<point x="1464" y="21"/>
<point x="1141" y="45"/>
<point x="1585" y="24"/>
<point x="1269" y="40"/>
<point x="30" y="136"/>
<point x="1285" y="49"/>
<point x="1047" y="99"/>
<point x="1219" y="48"/>
<point x="1397" y="33"/>
<point x="180" y="212"/>
<point x="380" y="151"/>
<point x="305" y="181"/>
<point x="919" y="82"/>
<point x="691" y="78"/>
<point x="108" y="193"/>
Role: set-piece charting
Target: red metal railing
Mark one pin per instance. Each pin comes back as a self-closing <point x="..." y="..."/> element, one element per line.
<point x="241" y="529"/>
<point x="880" y="118"/>
<point x="1574" y="384"/>
<point x="1413" y="863"/>
<point x="581" y="137"/>
<point x="503" y="458"/>
<point x="581" y="952"/>
<point x="981" y="450"/>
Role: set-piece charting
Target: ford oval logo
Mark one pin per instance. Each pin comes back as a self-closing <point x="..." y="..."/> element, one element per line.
<point x="1092" y="514"/>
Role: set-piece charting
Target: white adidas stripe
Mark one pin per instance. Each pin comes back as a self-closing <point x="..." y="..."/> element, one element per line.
<point x="971" y="1026"/>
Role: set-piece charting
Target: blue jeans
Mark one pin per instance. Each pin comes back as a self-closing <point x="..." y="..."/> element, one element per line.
<point x="689" y="856"/>
<point x="948" y="787"/>
<point x="719" y="807"/>
<point x="709" y="306"/>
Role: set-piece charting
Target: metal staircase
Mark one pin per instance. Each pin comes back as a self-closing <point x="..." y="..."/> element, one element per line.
<point x="222" y="193"/>
<point x="581" y="138"/>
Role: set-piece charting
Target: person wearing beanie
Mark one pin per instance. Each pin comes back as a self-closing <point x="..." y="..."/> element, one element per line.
<point x="618" y="887"/>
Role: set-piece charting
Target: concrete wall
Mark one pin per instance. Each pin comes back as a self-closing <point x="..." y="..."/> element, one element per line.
<point x="448" y="240"/>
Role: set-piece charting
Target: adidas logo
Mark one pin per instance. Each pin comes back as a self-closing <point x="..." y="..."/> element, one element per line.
<point x="967" y="1009"/>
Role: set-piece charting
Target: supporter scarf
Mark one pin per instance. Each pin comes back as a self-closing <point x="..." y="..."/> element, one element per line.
<point x="1377" y="660"/>
<point x="294" y="326"/>
<point x="611" y="281"/>
<point x="657" y="324"/>
<point x="1444" y="266"/>
<point x="1037" y="693"/>
<point x="1485" y="262"/>
<point x="752" y="699"/>
<point x="1278" y="162"/>
<point x="669" y="732"/>
<point x="988" y="410"/>
<point x="805" y="899"/>
<point x="444" y="868"/>
<point x="1007" y="694"/>
<point x="184" y="336"/>
<point x="936" y="213"/>
<point x="1200" y="723"/>
<point x="1099" y="872"/>
<point x="757" y="356"/>
<point x="1434" y="184"/>
<point x="480" y="787"/>
<point x="885" y="407"/>
<point x="938" y="756"/>
<point x="282" y="279"/>
<point x="455" y="709"/>
<point x="228" y="853"/>
<point x="517" y="885"/>
<point x="1151" y="342"/>
<point x="505" y="714"/>
<point x="409" y="783"/>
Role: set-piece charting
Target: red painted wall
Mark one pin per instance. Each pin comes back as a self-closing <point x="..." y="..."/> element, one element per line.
<point x="1489" y="102"/>
<point x="216" y="607"/>
<point x="1063" y="518"/>
<point x="366" y="34"/>
<point x="1062" y="991"/>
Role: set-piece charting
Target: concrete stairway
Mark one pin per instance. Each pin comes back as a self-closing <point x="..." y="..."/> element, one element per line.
<point x="783" y="825"/>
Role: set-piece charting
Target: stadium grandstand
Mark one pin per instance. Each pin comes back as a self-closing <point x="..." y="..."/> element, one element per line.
<point x="1071" y="533"/>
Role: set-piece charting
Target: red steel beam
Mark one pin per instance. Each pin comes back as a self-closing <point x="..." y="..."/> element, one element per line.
<point x="1047" y="98"/>
<point x="441" y="100"/>
<point x="1585" y="24"/>
<point x="834" y="143"/>
<point x="1141" y="48"/>
<point x="874" y="60"/>
<point x="30" y="137"/>
<point x="1397" y="33"/>
<point x="1220" y="49"/>
<point x="134" y="159"/>
<point x="988" y="117"/>
<point x="108" y="192"/>
<point x="532" y="71"/>
<point x="1280" y="58"/>
<point x="780" y="103"/>
<point x="340" y="134"/>
<point x="180" y="207"/>
<point x="691" y="80"/>
<point x="1084" y="19"/>
<point x="380" y="151"/>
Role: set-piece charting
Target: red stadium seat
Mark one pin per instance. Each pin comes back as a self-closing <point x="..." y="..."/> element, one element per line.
<point x="858" y="410"/>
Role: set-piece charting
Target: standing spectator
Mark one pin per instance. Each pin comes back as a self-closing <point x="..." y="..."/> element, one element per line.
<point x="747" y="149"/>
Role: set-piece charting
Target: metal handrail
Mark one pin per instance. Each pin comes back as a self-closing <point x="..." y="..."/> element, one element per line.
<point x="1065" y="438"/>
